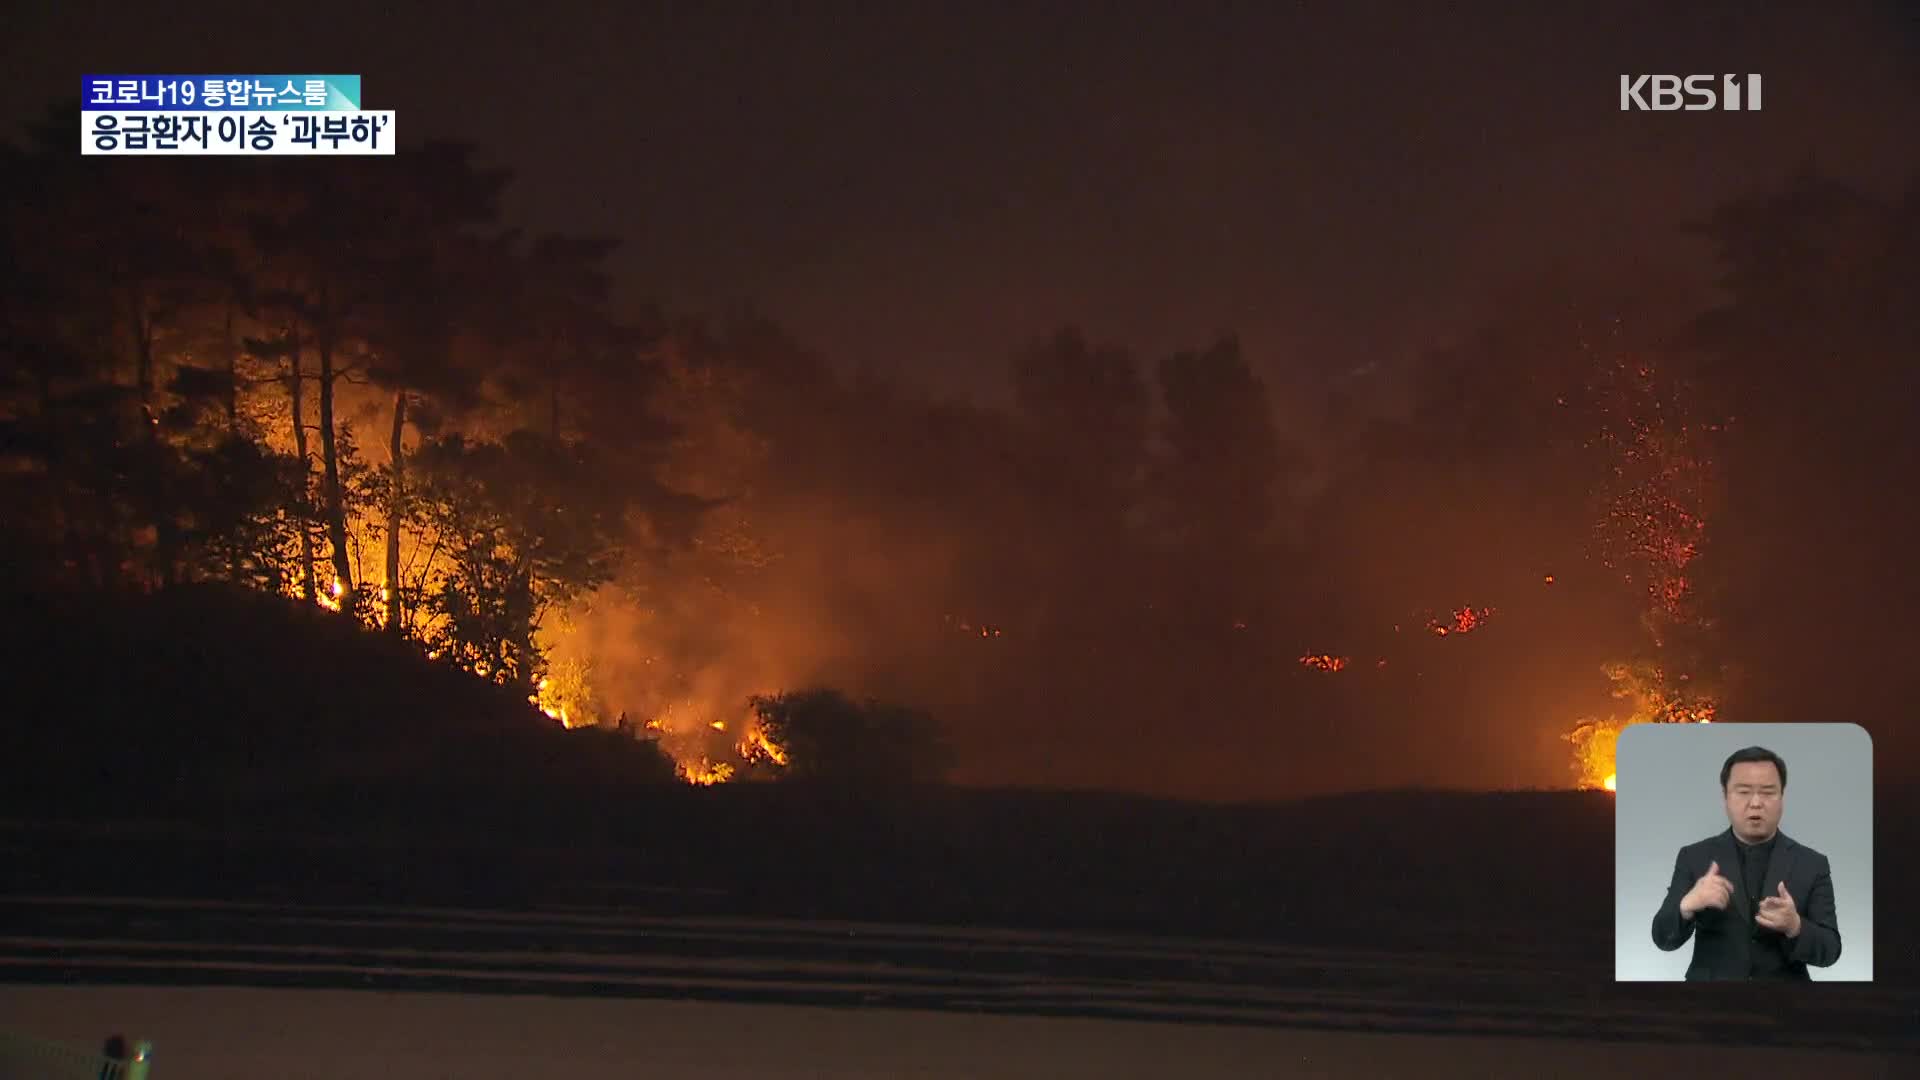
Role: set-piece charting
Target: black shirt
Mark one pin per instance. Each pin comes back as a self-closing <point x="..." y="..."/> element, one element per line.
<point x="1768" y="947"/>
<point x="1753" y="867"/>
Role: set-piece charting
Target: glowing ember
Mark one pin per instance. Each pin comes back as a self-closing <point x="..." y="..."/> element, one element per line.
<point x="967" y="626"/>
<point x="1323" y="662"/>
<point x="1659" y="490"/>
<point x="1662" y="487"/>
<point x="1461" y="621"/>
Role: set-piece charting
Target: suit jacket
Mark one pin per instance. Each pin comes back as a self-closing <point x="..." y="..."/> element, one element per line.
<point x="1722" y="940"/>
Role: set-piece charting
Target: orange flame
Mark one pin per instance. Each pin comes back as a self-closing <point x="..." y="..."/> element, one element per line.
<point x="1653" y="701"/>
<point x="704" y="774"/>
<point x="331" y="601"/>
<point x="756" y="745"/>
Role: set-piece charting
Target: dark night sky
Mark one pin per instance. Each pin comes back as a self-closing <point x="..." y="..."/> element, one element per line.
<point x="923" y="188"/>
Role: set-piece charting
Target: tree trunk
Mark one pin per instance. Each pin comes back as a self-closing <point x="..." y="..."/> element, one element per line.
<point x="233" y="376"/>
<point x="335" y="509"/>
<point x="296" y="389"/>
<point x="166" y="543"/>
<point x="396" y="513"/>
<point x="233" y="430"/>
<point x="143" y="356"/>
<point x="523" y="589"/>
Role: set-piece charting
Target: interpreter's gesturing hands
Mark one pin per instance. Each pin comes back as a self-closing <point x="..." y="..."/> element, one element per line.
<point x="1713" y="890"/>
<point x="1778" y="912"/>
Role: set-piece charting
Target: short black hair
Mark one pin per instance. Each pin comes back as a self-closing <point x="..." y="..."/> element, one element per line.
<point x="1753" y="753"/>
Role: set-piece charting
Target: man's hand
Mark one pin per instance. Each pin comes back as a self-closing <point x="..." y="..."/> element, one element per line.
<point x="1711" y="891"/>
<point x="1777" y="912"/>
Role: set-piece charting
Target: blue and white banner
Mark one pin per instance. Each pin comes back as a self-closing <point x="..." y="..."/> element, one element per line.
<point x="217" y="93"/>
<point x="230" y="114"/>
<point x="237" y="133"/>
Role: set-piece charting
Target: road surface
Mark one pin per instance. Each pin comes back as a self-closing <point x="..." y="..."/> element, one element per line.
<point x="251" y="990"/>
<point x="244" y="1033"/>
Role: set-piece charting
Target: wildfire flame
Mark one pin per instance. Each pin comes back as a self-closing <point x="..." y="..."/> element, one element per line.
<point x="1652" y="527"/>
<point x="1654" y="701"/>
<point x="331" y="601"/>
<point x="685" y="731"/>
<point x="756" y="745"/>
<point x="706" y="773"/>
<point x="545" y="698"/>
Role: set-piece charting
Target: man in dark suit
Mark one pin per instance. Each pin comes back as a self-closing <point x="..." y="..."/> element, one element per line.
<point x="1757" y="904"/>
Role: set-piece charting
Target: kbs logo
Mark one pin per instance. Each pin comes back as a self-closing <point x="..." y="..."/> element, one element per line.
<point x="1694" y="93"/>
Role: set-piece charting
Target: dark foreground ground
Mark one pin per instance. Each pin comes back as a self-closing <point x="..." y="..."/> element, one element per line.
<point x="242" y="1034"/>
<point x="578" y="954"/>
<point x="929" y="914"/>
<point x="214" y="840"/>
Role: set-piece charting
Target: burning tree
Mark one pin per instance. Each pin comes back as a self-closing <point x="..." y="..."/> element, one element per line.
<point x="1656" y="494"/>
<point x="566" y="694"/>
<point x="1652" y="698"/>
<point x="1657" y="490"/>
<point x="823" y="735"/>
<point x="527" y="527"/>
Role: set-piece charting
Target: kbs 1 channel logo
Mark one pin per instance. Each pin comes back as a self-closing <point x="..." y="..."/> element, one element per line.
<point x="230" y="114"/>
<point x="1689" y="93"/>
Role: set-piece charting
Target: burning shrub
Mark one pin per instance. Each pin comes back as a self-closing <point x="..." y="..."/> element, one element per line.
<point x="823" y="735"/>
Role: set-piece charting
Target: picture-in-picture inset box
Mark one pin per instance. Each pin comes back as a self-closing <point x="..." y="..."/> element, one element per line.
<point x="1743" y="852"/>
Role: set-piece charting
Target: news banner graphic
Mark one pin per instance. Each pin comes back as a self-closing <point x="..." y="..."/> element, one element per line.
<point x="230" y="114"/>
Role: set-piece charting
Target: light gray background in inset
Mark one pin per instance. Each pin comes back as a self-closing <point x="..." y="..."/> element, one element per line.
<point x="1668" y="781"/>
